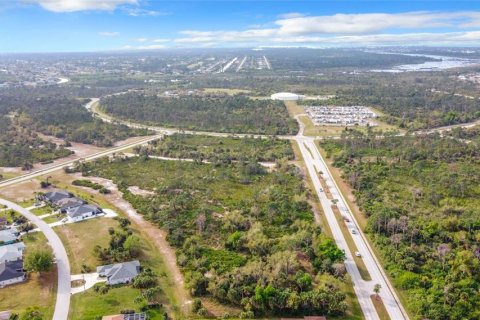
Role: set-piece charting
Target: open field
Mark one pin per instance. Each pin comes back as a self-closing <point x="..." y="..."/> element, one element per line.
<point x="294" y="109"/>
<point x="80" y="238"/>
<point x="226" y="90"/>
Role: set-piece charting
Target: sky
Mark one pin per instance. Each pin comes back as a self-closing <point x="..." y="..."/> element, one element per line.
<point x="104" y="25"/>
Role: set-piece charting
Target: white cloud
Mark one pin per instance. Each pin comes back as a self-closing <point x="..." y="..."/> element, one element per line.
<point x="138" y="12"/>
<point x="146" y="47"/>
<point x="369" y="28"/>
<point x="141" y="39"/>
<point x="108" y="33"/>
<point x="81" y="5"/>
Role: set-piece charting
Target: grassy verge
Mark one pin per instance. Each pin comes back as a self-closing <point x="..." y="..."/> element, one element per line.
<point x="354" y="312"/>
<point x="42" y="210"/>
<point x="361" y="219"/>
<point x="293" y="108"/>
<point x="362" y="268"/>
<point x="380" y="307"/>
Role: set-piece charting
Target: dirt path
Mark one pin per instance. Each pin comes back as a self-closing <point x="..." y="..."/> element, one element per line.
<point x="157" y="235"/>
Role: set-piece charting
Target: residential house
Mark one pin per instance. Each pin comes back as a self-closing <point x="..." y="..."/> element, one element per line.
<point x="65" y="204"/>
<point x="11" y="252"/>
<point x="8" y="236"/>
<point x="118" y="273"/>
<point x="128" y="316"/>
<point x="55" y="196"/>
<point x="3" y="223"/>
<point x="11" y="272"/>
<point x="83" y="212"/>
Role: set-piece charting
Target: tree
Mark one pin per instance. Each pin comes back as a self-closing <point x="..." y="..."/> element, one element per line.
<point x="39" y="261"/>
<point x="31" y="313"/>
<point x="376" y="289"/>
<point x="132" y="245"/>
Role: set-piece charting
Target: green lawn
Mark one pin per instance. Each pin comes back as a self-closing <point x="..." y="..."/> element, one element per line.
<point x="89" y="304"/>
<point x="42" y="210"/>
<point x="38" y="290"/>
<point x="79" y="250"/>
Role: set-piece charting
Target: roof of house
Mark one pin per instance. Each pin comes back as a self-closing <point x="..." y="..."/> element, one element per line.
<point x="69" y="202"/>
<point x="8" y="235"/>
<point x="82" y="209"/>
<point x="11" y="270"/>
<point x="11" y="251"/>
<point x="122" y="270"/>
<point x="56" y="195"/>
<point x="130" y="316"/>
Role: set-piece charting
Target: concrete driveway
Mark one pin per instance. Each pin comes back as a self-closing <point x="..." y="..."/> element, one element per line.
<point x="62" y="303"/>
<point x="90" y="280"/>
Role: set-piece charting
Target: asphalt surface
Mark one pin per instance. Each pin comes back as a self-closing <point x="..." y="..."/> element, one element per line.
<point x="55" y="167"/>
<point x="314" y="162"/>
<point x="62" y="303"/>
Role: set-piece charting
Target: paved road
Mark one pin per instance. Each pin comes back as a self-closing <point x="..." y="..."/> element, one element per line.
<point x="363" y="289"/>
<point x="169" y="131"/>
<point x="62" y="303"/>
<point x="314" y="163"/>
<point x="61" y="165"/>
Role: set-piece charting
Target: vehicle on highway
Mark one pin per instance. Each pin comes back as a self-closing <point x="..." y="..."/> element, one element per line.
<point x="354" y="231"/>
<point x="357" y="254"/>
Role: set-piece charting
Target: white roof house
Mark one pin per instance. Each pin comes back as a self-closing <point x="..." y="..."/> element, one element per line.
<point x="82" y="212"/>
<point x="286" y="96"/>
<point x="120" y="272"/>
<point x="8" y="236"/>
<point x="11" y="252"/>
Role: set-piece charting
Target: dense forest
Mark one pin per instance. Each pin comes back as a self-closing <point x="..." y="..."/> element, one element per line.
<point x="20" y="146"/>
<point x="61" y="116"/>
<point x="422" y="198"/>
<point x="237" y="114"/>
<point x="218" y="149"/>
<point x="244" y="237"/>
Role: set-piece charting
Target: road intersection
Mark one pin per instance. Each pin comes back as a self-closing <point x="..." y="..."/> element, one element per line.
<point x="314" y="163"/>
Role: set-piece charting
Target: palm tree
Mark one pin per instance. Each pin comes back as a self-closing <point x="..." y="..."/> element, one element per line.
<point x="376" y="289"/>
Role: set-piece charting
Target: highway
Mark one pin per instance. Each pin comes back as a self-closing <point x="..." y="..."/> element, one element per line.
<point x="314" y="163"/>
<point x="61" y="165"/>
<point x="62" y="303"/>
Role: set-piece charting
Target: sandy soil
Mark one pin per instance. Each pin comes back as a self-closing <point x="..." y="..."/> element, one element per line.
<point x="21" y="191"/>
<point x="157" y="235"/>
<point x="140" y="192"/>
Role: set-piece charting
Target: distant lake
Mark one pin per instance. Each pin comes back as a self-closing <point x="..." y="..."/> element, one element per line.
<point x="441" y="63"/>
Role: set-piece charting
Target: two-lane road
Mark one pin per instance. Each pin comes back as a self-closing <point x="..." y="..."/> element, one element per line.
<point x="62" y="303"/>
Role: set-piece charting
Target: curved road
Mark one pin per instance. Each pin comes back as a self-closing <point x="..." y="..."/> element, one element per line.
<point x="62" y="303"/>
<point x="314" y="162"/>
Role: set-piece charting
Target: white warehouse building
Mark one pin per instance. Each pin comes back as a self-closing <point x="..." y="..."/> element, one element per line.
<point x="286" y="96"/>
